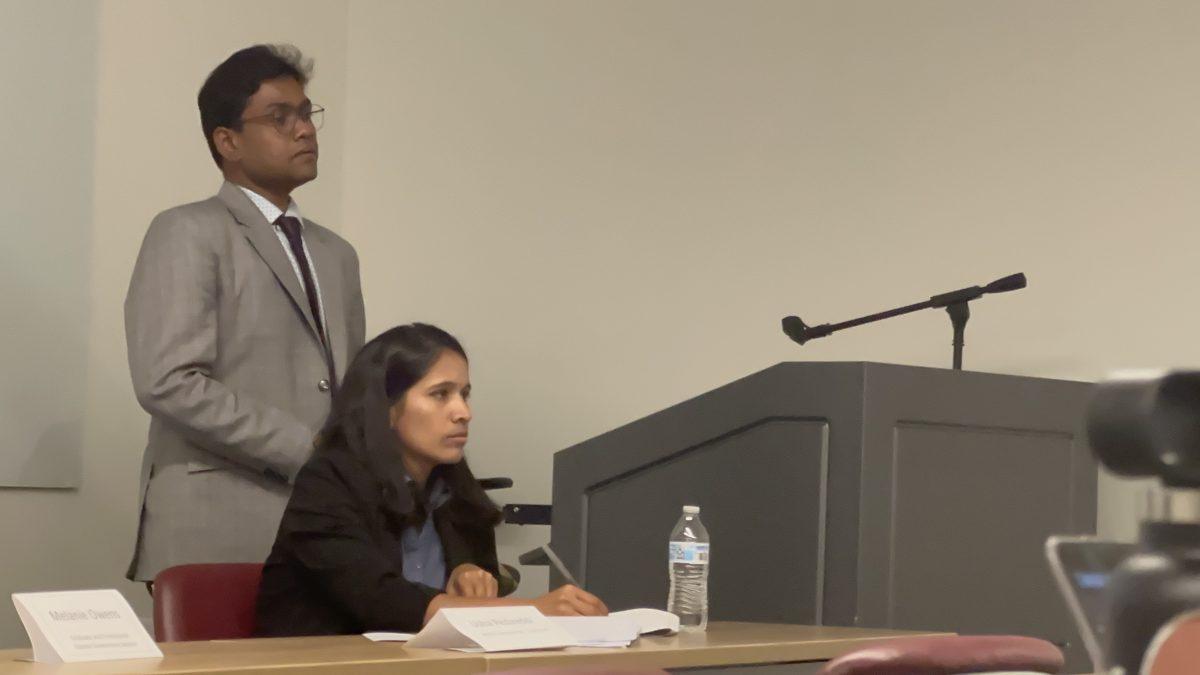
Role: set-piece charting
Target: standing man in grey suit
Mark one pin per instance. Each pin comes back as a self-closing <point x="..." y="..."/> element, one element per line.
<point x="241" y="315"/>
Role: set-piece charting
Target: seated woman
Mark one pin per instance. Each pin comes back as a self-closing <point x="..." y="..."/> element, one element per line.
<point x="386" y="524"/>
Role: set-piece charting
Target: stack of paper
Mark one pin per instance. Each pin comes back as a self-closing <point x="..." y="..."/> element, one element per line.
<point x="650" y="621"/>
<point x="510" y="628"/>
<point x="490" y="629"/>
<point x="618" y="629"/>
<point x="381" y="636"/>
<point x="598" y="631"/>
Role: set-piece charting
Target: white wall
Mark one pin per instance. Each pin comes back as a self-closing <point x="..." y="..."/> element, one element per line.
<point x="614" y="203"/>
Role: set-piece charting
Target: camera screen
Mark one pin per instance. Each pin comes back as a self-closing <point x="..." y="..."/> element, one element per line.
<point x="1089" y="566"/>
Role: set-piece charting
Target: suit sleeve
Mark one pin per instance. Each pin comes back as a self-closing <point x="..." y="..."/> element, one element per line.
<point x="171" y="336"/>
<point x="325" y="533"/>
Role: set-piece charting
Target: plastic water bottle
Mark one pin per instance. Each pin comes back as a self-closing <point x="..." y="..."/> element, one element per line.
<point x="688" y="560"/>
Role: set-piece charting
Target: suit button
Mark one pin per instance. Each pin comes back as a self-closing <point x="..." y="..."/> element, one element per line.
<point x="323" y="385"/>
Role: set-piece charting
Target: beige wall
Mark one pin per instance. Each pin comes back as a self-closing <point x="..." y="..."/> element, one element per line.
<point x="613" y="203"/>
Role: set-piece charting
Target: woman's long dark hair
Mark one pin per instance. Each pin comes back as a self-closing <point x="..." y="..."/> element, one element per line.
<point x="378" y="376"/>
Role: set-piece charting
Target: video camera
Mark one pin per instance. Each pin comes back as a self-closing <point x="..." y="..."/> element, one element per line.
<point x="1148" y="425"/>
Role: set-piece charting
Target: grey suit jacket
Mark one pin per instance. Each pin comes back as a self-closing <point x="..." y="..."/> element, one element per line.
<point x="226" y="358"/>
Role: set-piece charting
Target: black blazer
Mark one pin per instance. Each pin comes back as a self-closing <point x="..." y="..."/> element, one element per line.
<point x="336" y="566"/>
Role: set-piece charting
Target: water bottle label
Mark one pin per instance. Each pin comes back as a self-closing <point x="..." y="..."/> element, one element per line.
<point x="688" y="552"/>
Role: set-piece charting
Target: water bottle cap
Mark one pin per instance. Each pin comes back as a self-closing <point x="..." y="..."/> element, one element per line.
<point x="691" y="509"/>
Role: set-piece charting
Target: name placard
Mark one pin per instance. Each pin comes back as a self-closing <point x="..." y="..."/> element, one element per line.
<point x="491" y="629"/>
<point x="73" y="626"/>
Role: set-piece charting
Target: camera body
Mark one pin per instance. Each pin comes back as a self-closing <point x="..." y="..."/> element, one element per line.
<point x="1148" y="425"/>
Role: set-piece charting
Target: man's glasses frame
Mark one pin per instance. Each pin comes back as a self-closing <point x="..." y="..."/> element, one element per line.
<point x="285" y="117"/>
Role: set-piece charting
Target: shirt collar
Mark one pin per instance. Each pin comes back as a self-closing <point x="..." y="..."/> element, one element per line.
<point x="269" y="210"/>
<point x="438" y="492"/>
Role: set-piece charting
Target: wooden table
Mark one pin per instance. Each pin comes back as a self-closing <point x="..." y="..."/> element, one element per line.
<point x="724" y="644"/>
<point x="336" y="654"/>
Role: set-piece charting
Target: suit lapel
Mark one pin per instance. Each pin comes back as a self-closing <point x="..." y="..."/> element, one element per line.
<point x="262" y="237"/>
<point x="329" y="279"/>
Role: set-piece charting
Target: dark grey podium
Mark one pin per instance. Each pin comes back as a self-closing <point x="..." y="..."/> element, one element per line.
<point x="850" y="494"/>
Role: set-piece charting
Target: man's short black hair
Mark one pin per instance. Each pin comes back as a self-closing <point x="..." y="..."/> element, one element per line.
<point x="229" y="86"/>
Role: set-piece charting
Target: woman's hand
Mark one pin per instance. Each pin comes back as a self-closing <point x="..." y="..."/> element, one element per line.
<point x="564" y="601"/>
<point x="472" y="581"/>
<point x="570" y="601"/>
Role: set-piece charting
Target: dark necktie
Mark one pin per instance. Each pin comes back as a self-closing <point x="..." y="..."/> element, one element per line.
<point x="291" y="229"/>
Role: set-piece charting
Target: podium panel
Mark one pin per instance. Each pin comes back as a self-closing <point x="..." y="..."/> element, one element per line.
<point x="942" y="556"/>
<point x="852" y="494"/>
<point x="780" y="463"/>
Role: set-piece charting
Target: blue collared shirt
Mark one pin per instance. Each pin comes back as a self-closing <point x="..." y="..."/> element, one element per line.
<point x="424" y="558"/>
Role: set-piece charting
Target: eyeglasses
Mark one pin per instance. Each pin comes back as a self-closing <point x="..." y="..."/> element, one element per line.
<point x="284" y="117"/>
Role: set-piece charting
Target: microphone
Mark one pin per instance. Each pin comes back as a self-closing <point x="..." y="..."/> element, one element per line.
<point x="955" y="302"/>
<point x="794" y="328"/>
<point x="1011" y="282"/>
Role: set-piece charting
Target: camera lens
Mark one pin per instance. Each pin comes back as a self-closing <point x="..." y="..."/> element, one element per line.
<point x="1148" y="425"/>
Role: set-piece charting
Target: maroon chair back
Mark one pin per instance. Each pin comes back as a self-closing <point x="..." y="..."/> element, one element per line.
<point x="949" y="655"/>
<point x="1175" y="650"/>
<point x="212" y="601"/>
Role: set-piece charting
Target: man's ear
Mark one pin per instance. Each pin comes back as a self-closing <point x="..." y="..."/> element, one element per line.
<point x="228" y="143"/>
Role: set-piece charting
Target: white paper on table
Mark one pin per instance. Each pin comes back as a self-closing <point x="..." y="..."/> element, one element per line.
<point x="603" y="645"/>
<point x="650" y="620"/>
<point x="388" y="637"/>
<point x="491" y="629"/>
<point x="598" y="631"/>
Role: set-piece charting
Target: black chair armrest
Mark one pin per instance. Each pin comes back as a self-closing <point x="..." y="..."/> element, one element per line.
<point x="526" y="514"/>
<point x="500" y="483"/>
